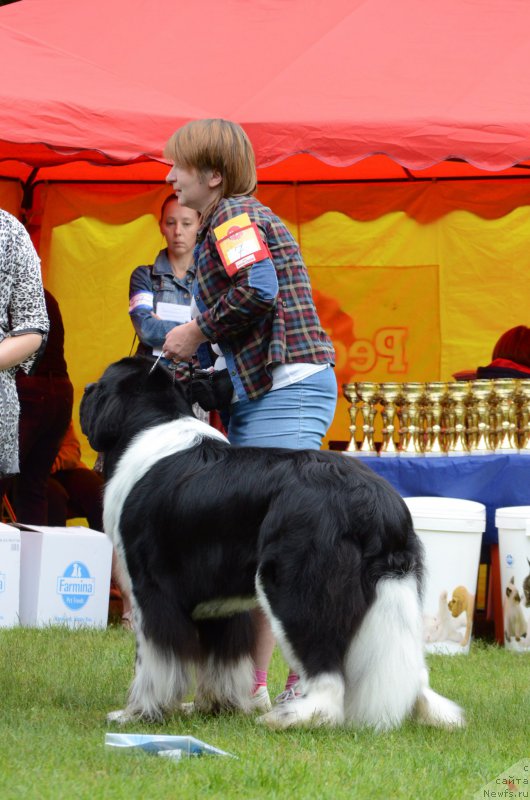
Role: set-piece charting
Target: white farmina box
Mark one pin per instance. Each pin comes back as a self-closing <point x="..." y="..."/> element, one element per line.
<point x="9" y="575"/>
<point x="64" y="576"/>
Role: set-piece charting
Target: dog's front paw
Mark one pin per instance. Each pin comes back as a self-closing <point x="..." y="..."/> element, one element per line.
<point x="187" y="708"/>
<point x="120" y="717"/>
<point x="279" y="719"/>
<point x="301" y="712"/>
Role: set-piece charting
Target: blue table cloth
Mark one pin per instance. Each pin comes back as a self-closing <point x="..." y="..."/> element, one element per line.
<point x="496" y="480"/>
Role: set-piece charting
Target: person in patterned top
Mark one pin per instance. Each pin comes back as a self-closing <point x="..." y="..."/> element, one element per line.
<point x="23" y="327"/>
<point x="258" y="315"/>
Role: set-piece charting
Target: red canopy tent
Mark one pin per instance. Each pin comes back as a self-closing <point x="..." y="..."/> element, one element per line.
<point x="420" y="83"/>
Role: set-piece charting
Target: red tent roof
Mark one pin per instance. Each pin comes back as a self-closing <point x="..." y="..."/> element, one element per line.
<point x="410" y="83"/>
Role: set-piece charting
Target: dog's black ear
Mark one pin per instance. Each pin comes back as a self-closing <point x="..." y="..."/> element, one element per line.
<point x="162" y="380"/>
<point x="158" y="376"/>
<point x="86" y="409"/>
<point x="101" y="416"/>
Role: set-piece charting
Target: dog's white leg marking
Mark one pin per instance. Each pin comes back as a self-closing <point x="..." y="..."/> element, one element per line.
<point x="322" y="700"/>
<point x="386" y="675"/>
<point x="321" y="704"/>
<point x="160" y="682"/>
<point x="225" y="685"/>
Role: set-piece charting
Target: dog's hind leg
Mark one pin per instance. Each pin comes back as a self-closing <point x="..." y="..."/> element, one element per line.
<point x="386" y="675"/>
<point x="385" y="663"/>
<point x="161" y="681"/>
<point x="321" y="678"/>
<point x="226" y="672"/>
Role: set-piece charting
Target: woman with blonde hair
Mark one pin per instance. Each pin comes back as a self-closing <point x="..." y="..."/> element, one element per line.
<point x="253" y="304"/>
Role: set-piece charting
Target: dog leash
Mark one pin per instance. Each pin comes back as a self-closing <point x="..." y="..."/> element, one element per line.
<point x="156" y="363"/>
<point x="189" y="388"/>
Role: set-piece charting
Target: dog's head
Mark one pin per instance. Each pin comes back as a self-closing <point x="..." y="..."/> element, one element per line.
<point x="459" y="602"/>
<point x="513" y="597"/>
<point x="129" y="397"/>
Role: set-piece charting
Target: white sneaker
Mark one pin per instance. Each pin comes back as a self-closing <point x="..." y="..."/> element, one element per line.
<point x="260" y="700"/>
<point x="288" y="694"/>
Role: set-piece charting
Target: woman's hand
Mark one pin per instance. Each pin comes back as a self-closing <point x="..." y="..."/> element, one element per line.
<point x="182" y="341"/>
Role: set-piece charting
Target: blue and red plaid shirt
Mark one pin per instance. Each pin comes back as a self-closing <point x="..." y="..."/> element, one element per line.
<point x="264" y="315"/>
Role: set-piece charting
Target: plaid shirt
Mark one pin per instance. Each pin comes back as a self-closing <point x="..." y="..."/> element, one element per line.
<point x="263" y="315"/>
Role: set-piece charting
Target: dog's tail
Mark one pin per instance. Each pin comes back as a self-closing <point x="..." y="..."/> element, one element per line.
<point x="433" y="709"/>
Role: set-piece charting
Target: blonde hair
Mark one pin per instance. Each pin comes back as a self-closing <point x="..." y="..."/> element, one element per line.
<point x="216" y="144"/>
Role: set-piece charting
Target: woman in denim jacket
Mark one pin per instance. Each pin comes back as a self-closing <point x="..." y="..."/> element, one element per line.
<point x="168" y="281"/>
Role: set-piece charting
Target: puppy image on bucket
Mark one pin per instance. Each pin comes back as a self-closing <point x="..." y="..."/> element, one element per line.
<point x="451" y="532"/>
<point x="515" y="624"/>
<point x="513" y="523"/>
<point x="454" y="620"/>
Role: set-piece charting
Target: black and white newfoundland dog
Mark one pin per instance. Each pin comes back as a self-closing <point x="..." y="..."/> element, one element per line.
<point x="206" y="531"/>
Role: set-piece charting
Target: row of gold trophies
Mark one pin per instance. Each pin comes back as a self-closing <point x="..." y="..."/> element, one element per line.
<point x="436" y="418"/>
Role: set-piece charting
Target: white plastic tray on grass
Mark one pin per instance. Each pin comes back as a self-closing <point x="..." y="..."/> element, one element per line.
<point x="163" y="745"/>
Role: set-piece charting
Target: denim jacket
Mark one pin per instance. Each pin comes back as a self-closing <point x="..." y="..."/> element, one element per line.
<point x="150" y="285"/>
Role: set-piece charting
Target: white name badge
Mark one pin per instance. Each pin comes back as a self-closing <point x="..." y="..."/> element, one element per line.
<point x="172" y="312"/>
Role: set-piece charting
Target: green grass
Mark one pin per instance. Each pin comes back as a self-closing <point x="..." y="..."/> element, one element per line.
<point x="56" y="686"/>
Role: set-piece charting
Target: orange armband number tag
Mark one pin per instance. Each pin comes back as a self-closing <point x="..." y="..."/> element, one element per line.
<point x="241" y="247"/>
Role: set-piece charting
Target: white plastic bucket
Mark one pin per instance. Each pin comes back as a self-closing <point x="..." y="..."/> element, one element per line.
<point x="451" y="532"/>
<point x="513" y="524"/>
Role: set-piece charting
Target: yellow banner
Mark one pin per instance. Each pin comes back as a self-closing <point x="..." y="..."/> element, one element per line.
<point x="405" y="296"/>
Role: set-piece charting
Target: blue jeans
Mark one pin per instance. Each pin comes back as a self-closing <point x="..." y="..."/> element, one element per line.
<point x="296" y="416"/>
